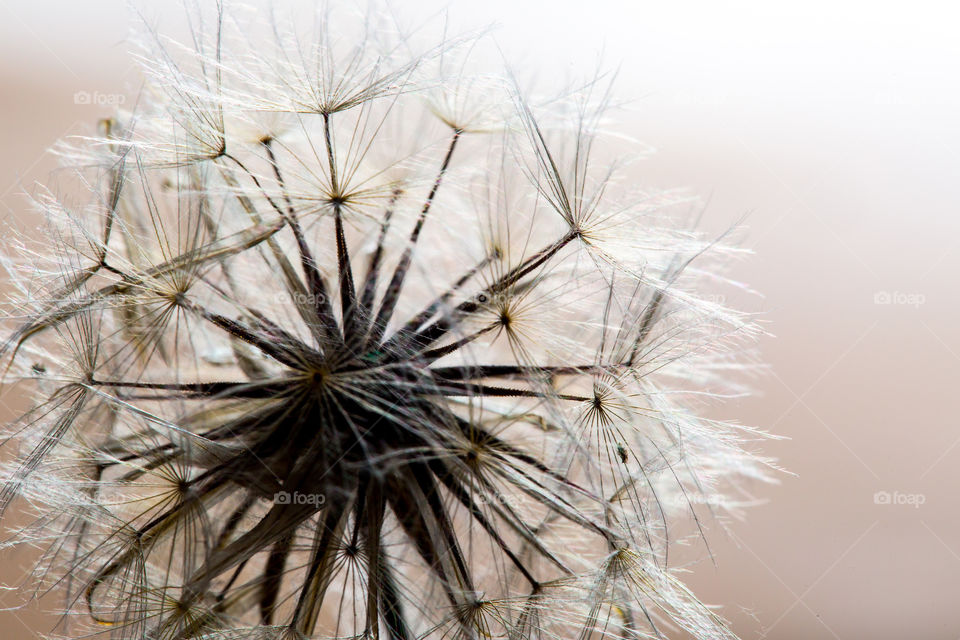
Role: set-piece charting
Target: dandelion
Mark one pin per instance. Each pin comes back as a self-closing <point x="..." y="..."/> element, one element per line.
<point x="348" y="340"/>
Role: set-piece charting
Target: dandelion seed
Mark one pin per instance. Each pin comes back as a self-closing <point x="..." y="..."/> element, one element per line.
<point x="336" y="349"/>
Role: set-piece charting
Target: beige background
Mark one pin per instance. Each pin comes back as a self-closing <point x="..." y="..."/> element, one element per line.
<point x="835" y="128"/>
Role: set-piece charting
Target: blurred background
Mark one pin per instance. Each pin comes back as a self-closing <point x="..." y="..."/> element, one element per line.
<point x="833" y="126"/>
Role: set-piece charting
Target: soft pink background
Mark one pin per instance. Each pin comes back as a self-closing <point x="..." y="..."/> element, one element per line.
<point x="835" y="128"/>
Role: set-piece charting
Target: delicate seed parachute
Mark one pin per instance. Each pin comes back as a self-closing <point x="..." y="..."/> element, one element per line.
<point x="345" y="339"/>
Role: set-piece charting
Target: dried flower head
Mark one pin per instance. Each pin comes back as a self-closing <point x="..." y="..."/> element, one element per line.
<point x="350" y="340"/>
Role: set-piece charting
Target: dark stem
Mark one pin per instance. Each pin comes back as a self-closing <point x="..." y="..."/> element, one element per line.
<point x="315" y="283"/>
<point x="438" y="329"/>
<point x="392" y="295"/>
<point x="370" y="282"/>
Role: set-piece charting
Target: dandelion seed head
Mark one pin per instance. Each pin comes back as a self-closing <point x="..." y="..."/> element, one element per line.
<point x="351" y="337"/>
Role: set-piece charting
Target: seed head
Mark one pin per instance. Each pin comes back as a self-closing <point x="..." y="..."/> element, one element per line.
<point x="347" y="340"/>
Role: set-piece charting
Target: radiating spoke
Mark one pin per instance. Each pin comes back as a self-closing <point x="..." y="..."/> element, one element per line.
<point x="392" y="295"/>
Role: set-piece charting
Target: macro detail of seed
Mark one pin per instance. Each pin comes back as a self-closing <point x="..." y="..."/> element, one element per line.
<point x="348" y="337"/>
